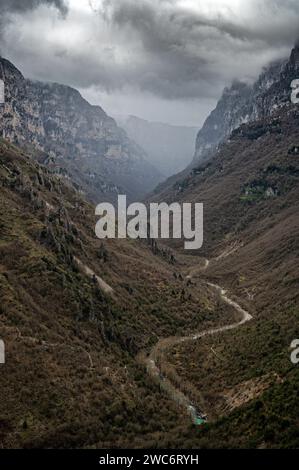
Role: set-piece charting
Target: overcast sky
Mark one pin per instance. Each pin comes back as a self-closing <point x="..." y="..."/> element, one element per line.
<point x="163" y="60"/>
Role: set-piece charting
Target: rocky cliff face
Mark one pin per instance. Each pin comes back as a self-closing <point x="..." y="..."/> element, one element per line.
<point x="75" y="139"/>
<point x="244" y="103"/>
<point x="231" y="111"/>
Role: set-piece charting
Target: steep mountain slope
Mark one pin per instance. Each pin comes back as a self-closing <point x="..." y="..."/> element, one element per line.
<point x="169" y="148"/>
<point x="76" y="139"/>
<point x="240" y="104"/>
<point x="250" y="191"/>
<point x="73" y="377"/>
<point x="243" y="103"/>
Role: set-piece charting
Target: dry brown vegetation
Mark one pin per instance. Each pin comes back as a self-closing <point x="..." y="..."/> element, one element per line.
<point x="72" y="376"/>
<point x="257" y="230"/>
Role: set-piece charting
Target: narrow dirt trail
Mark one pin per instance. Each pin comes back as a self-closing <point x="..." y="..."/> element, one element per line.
<point x="167" y="343"/>
<point x="101" y="283"/>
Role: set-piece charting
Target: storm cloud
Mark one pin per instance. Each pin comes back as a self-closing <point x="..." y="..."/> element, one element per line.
<point x="180" y="52"/>
<point x="23" y="5"/>
<point x="190" y="51"/>
<point x="11" y="7"/>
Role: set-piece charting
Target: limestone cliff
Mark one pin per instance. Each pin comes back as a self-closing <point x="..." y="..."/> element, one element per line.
<point x="76" y="139"/>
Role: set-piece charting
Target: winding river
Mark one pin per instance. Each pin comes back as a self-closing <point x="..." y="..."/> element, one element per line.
<point x="198" y="417"/>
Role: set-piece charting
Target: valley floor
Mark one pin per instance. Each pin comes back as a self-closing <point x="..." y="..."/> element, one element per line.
<point x="157" y="354"/>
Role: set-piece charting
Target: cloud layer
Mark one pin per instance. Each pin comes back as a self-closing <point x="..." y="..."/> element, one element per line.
<point x="23" y="5"/>
<point x="172" y="50"/>
<point x="11" y="7"/>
